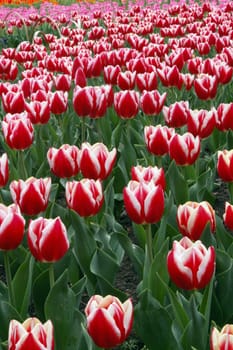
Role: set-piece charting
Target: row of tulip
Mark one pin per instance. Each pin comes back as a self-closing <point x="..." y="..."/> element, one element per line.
<point x="116" y="114"/>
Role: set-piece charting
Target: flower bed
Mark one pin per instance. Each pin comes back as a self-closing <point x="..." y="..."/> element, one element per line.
<point x="116" y="142"/>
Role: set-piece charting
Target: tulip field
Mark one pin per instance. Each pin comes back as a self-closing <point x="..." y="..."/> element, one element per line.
<point x="116" y="147"/>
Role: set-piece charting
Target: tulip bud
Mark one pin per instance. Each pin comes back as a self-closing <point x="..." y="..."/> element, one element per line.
<point x="157" y="139"/>
<point x="228" y="216"/>
<point x="206" y="86"/>
<point x="109" y="322"/>
<point x="31" y="195"/>
<point x="177" y="114"/>
<point x="190" y="264"/>
<point x="96" y="161"/>
<point x="63" y="161"/>
<point x="58" y="101"/>
<point x="201" y="122"/>
<point x="4" y="170"/>
<point x="126" y="80"/>
<point x="38" y="111"/>
<point x="85" y="196"/>
<point x="184" y="149"/>
<point x="192" y="218"/>
<point x="11" y="227"/>
<point x="126" y="103"/>
<point x="144" y="201"/>
<point x="151" y="102"/>
<point x="47" y="239"/>
<point x="31" y="334"/>
<point x="147" y="174"/>
<point x="18" y="130"/>
<point x="147" y="81"/>
<point x="225" y="165"/>
<point x="13" y="102"/>
<point x="223" y="339"/>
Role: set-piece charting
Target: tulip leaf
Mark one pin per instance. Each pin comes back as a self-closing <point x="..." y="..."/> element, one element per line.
<point x="196" y="325"/>
<point x="59" y="308"/>
<point x="7" y="313"/>
<point x="85" y="247"/>
<point x="22" y="285"/>
<point x="177" y="184"/>
<point x="104" y="265"/>
<point x="158" y="272"/>
<point x="40" y="292"/>
<point x="134" y="252"/>
<point x="152" y="322"/>
<point x="223" y="288"/>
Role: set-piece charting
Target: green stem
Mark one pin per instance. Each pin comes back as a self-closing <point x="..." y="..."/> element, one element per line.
<point x="21" y="165"/>
<point x="9" y="278"/>
<point x="1" y="199"/>
<point x="230" y="188"/>
<point x="83" y="130"/>
<point x="51" y="275"/>
<point x="149" y="244"/>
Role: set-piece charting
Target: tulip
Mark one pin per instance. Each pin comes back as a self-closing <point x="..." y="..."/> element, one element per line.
<point x="13" y="102"/>
<point x="111" y="73"/>
<point x="147" y="81"/>
<point x="83" y="101"/>
<point x="157" y="139"/>
<point x="96" y="161"/>
<point x="58" y="101"/>
<point x="38" y="111"/>
<point x="32" y="195"/>
<point x="190" y="264"/>
<point x="80" y="77"/>
<point x="225" y="165"/>
<point x="151" y="102"/>
<point x="84" y="196"/>
<point x="177" y="114"/>
<point x="126" y="103"/>
<point x="201" y="122"/>
<point x="62" y="82"/>
<point x="170" y="76"/>
<point x="126" y="80"/>
<point x="223" y="339"/>
<point x="4" y="170"/>
<point x="224" y="116"/>
<point x="144" y="201"/>
<point x="11" y="226"/>
<point x="63" y="161"/>
<point x="192" y="218"/>
<point x="141" y="174"/>
<point x="31" y="334"/>
<point x="184" y="149"/>
<point x="18" y="130"/>
<point x="109" y="322"/>
<point x="228" y="216"/>
<point x="47" y="239"/>
<point x="206" y="86"/>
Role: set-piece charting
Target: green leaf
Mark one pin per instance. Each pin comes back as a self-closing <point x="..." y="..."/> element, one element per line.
<point x="158" y="272"/>
<point x="135" y="253"/>
<point x="224" y="281"/>
<point x="153" y="324"/>
<point x="59" y="308"/>
<point x="177" y="184"/>
<point x="103" y="265"/>
<point x="40" y="292"/>
<point x="85" y="247"/>
<point x="7" y="313"/>
<point x="22" y="285"/>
